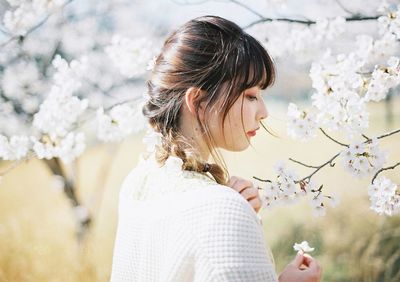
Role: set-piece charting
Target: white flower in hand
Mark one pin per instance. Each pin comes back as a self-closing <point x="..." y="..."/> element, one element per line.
<point x="303" y="247"/>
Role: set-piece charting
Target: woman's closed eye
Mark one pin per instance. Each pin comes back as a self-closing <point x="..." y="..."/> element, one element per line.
<point x="251" y="98"/>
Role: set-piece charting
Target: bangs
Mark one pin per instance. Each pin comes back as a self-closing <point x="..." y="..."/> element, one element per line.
<point x="254" y="67"/>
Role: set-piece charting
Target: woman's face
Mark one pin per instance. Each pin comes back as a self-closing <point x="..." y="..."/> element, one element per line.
<point x="251" y="105"/>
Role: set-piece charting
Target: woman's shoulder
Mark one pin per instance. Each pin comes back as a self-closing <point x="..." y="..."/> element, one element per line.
<point x="219" y="200"/>
<point x="148" y="181"/>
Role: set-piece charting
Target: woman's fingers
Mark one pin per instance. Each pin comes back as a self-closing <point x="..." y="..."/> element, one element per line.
<point x="239" y="184"/>
<point x="247" y="191"/>
<point x="255" y="203"/>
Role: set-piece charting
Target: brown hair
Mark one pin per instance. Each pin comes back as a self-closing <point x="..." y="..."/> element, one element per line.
<point x="211" y="54"/>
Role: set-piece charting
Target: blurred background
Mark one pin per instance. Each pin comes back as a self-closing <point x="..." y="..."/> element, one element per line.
<point x="48" y="234"/>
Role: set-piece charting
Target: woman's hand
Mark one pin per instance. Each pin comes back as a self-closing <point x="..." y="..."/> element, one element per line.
<point x="303" y="268"/>
<point x="247" y="190"/>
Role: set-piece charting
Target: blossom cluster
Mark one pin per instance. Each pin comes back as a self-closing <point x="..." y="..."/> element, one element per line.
<point x="287" y="190"/>
<point x="298" y="40"/>
<point x="22" y="81"/>
<point x="13" y="148"/>
<point x="301" y="124"/>
<point x="131" y="56"/>
<point x="390" y="23"/>
<point x="25" y="14"/>
<point x="55" y="119"/>
<point x="363" y="158"/>
<point x="121" y="121"/>
<point x="384" y="196"/>
<point x="382" y="79"/>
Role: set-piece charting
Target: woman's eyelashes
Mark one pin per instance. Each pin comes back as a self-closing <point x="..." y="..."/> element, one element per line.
<point x="251" y="98"/>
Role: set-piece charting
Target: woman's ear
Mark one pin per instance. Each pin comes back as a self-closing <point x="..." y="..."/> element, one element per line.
<point x="191" y="96"/>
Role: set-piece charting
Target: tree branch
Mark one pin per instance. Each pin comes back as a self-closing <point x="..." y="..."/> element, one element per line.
<point x="303" y="164"/>
<point x="310" y="22"/>
<point x="383" y="169"/>
<point x="388" y="134"/>
<point x="22" y="37"/>
<point x="70" y="191"/>
<point x="318" y="168"/>
<point x="262" y="180"/>
<point x="334" y="140"/>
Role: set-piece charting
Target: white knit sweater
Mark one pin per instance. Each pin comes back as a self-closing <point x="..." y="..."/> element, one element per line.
<point x="176" y="225"/>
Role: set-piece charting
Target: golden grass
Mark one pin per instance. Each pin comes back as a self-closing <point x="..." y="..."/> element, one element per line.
<point x="37" y="230"/>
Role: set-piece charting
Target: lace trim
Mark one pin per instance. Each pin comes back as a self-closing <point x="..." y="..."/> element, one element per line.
<point x="158" y="180"/>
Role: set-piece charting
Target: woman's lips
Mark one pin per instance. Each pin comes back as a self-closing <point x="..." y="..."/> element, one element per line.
<point x="251" y="133"/>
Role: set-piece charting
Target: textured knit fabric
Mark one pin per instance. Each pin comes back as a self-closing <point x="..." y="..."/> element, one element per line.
<point x="176" y="225"/>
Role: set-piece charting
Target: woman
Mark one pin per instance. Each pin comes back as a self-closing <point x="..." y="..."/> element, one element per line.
<point x="181" y="217"/>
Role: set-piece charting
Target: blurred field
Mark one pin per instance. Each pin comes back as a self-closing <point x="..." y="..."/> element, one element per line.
<point x="37" y="240"/>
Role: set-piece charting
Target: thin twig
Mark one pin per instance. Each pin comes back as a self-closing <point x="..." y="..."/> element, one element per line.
<point x="310" y="22"/>
<point x="366" y="137"/>
<point x="247" y="8"/>
<point x="334" y="140"/>
<point x="306" y="165"/>
<point x="383" y="169"/>
<point x="321" y="166"/>
<point x="262" y="180"/>
<point x="388" y="134"/>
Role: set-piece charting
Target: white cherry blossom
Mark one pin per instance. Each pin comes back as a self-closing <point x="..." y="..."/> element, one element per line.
<point x="14" y="148"/>
<point x="384" y="196"/>
<point x="301" y="124"/>
<point x="66" y="148"/>
<point x="303" y="247"/>
<point x="121" y="121"/>
<point x="130" y="56"/>
<point x="59" y="112"/>
<point x="391" y="23"/>
<point x="362" y="158"/>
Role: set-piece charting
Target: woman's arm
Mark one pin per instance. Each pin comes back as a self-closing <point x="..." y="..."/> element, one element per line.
<point x="229" y="241"/>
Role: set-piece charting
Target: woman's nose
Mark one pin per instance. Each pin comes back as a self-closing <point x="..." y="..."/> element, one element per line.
<point x="263" y="112"/>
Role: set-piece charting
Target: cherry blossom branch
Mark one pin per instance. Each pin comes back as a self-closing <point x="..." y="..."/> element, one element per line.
<point x="330" y="162"/>
<point x="22" y="37"/>
<point x="383" y="169"/>
<point x="388" y="134"/>
<point x="368" y="140"/>
<point x="303" y="164"/>
<point x="334" y="140"/>
<point x="310" y="22"/>
<point x="366" y="137"/>
<point x="262" y="180"/>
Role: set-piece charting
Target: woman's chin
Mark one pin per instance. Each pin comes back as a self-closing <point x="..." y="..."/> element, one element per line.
<point x="237" y="147"/>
